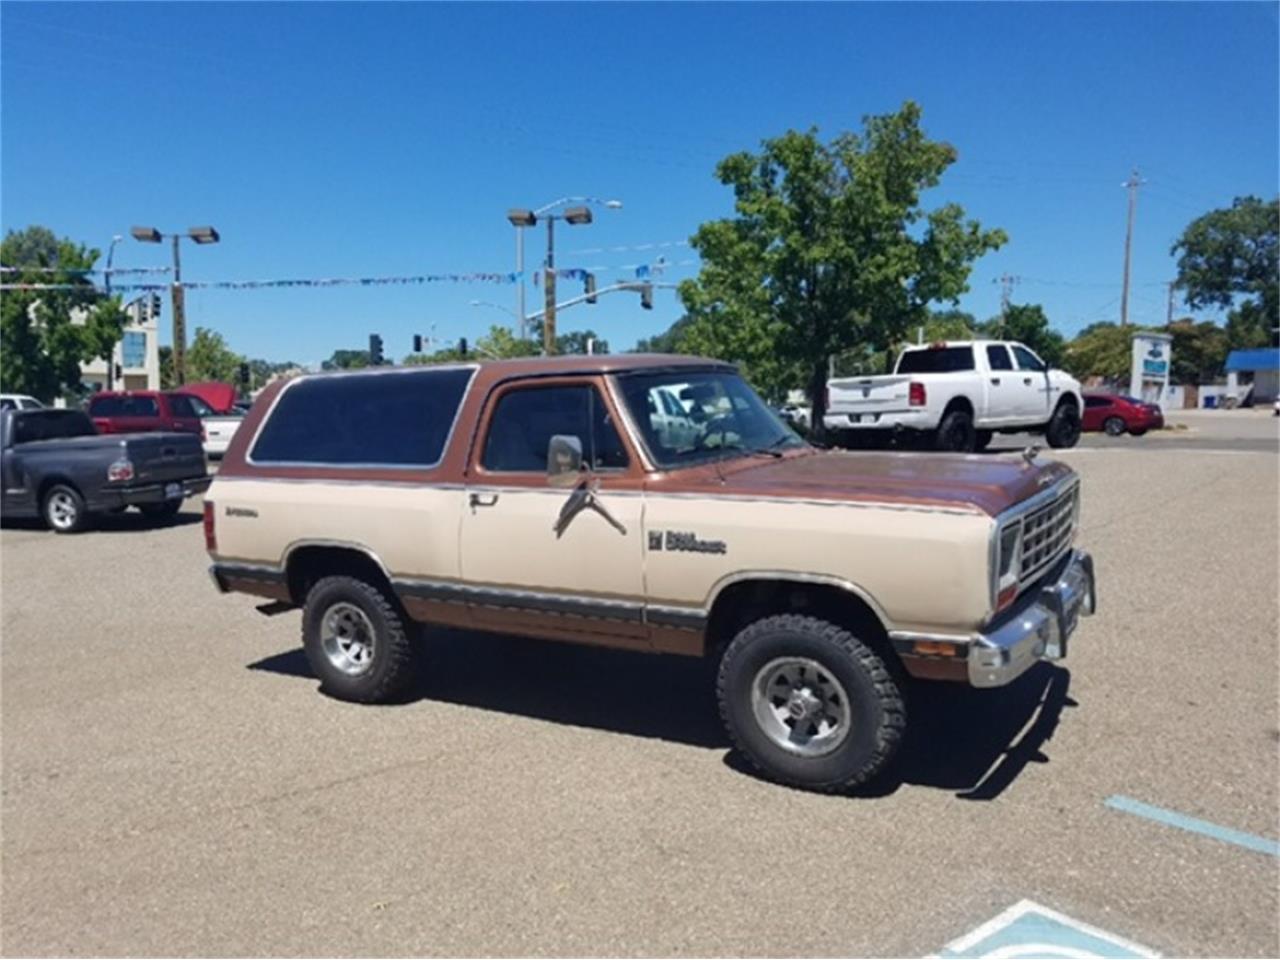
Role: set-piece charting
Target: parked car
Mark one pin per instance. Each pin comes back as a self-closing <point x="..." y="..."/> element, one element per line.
<point x="216" y="429"/>
<point x="957" y="394"/>
<point x="1116" y="414"/>
<point x="56" y="466"/>
<point x="143" y="411"/>
<point x="543" y="497"/>
<point x="19" y="401"/>
<point x="217" y="396"/>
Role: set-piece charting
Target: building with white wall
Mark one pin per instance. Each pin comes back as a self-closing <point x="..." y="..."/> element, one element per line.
<point x="137" y="355"/>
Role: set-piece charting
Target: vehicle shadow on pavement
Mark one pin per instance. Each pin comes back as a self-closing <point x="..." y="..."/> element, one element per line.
<point x="128" y="522"/>
<point x="975" y="742"/>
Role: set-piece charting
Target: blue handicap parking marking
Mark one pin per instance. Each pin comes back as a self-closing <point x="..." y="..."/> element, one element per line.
<point x="1028" y="930"/>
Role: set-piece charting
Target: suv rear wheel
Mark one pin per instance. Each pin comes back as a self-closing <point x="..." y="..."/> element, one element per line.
<point x="808" y="703"/>
<point x="356" y="641"/>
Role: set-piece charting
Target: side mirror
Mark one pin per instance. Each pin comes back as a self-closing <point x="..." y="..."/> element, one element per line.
<point x="564" y="461"/>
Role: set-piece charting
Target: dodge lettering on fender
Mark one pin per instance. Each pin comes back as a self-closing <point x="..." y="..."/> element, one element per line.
<point x="566" y="498"/>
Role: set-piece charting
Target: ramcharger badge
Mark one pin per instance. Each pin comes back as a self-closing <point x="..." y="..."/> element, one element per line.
<point x="685" y="542"/>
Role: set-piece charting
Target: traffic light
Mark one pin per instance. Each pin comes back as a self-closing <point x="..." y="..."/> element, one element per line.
<point x="646" y="296"/>
<point x="417" y="343"/>
<point x="244" y="375"/>
<point x="375" y="350"/>
<point x="590" y="284"/>
<point x="462" y="346"/>
<point x="153" y="306"/>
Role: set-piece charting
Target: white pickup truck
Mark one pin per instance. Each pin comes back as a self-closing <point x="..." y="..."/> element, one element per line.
<point x="956" y="394"/>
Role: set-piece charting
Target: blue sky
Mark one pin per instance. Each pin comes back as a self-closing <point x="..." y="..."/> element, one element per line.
<point x="368" y="140"/>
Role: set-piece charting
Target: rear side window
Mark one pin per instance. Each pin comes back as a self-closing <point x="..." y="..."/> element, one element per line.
<point x="937" y="360"/>
<point x="124" y="407"/>
<point x="998" y="357"/>
<point x="525" y="420"/>
<point x="181" y="406"/>
<point x="397" y="419"/>
<point x="1096" y="402"/>
<point x="51" y="425"/>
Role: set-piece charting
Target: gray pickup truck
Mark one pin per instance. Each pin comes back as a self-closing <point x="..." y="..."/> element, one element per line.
<point x="55" y="465"/>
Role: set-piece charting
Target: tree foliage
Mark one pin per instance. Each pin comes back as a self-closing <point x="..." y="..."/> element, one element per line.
<point x="829" y="249"/>
<point x="1103" y="350"/>
<point x="1199" y="351"/>
<point x="1228" y="258"/>
<point x="1028" y="324"/>
<point x="346" y="360"/>
<point x="209" y="358"/>
<point x="47" y="334"/>
<point x="670" y="340"/>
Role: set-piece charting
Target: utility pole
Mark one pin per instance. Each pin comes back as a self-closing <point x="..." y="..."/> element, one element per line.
<point x="1132" y="184"/>
<point x="549" y="316"/>
<point x="179" y="319"/>
<point x="1006" y="290"/>
<point x="1172" y="286"/>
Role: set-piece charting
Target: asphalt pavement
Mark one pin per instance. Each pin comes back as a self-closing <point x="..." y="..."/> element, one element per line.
<point x="174" y="784"/>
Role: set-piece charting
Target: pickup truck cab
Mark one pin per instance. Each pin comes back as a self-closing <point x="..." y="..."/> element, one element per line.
<point x="957" y="394"/>
<point x="143" y="411"/>
<point x="553" y="498"/>
<point x="55" y="465"/>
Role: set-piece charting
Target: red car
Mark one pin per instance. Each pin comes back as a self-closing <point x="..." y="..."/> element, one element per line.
<point x="1117" y="414"/>
<point x="142" y="411"/>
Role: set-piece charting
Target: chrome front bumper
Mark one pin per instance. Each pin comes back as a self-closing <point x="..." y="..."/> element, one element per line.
<point x="1037" y="627"/>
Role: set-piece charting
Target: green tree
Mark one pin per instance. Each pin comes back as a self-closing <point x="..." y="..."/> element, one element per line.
<point x="1027" y="323"/>
<point x="1199" y="351"/>
<point x="167" y="381"/>
<point x="1228" y="258"/>
<point x="209" y="358"/>
<point x="346" y="360"/>
<point x="575" y="341"/>
<point x="47" y="334"/>
<point x="670" y="340"/>
<point x="829" y="249"/>
<point x="1104" y="350"/>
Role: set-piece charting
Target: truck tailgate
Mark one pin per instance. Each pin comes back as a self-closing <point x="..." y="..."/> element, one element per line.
<point x="160" y="457"/>
<point x="857" y="396"/>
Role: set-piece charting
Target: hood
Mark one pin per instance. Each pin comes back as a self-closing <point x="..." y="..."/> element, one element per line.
<point x="220" y="396"/>
<point x="988" y="483"/>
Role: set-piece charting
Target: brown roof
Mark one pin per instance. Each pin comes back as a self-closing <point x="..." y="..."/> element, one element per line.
<point x="596" y="363"/>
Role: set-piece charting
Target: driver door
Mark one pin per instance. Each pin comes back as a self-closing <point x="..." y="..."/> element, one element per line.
<point x="525" y="572"/>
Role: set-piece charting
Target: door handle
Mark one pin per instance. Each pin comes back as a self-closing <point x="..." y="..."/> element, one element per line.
<point x="1027" y="381"/>
<point x="482" y="500"/>
<point x="995" y="381"/>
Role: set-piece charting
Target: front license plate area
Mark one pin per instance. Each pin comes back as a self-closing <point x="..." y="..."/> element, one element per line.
<point x="173" y="491"/>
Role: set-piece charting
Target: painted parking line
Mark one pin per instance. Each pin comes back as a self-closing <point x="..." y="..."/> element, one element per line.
<point x="1171" y="818"/>
<point x="1029" y="930"/>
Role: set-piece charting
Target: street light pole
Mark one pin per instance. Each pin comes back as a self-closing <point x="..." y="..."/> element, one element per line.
<point x="201" y="235"/>
<point x="520" y="281"/>
<point x="549" y="319"/>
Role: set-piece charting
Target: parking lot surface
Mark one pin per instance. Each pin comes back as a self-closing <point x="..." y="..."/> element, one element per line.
<point x="174" y="784"/>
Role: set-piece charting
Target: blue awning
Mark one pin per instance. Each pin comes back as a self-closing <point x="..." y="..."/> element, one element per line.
<point x="1263" y="358"/>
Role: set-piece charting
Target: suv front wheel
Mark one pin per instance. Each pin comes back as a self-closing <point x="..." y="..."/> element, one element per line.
<point x="356" y="641"/>
<point x="809" y="704"/>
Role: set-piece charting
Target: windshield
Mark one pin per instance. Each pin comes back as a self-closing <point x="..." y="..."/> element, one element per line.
<point x="688" y="417"/>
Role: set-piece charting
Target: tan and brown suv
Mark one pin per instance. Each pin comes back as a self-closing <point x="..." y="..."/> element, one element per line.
<point x="650" y="503"/>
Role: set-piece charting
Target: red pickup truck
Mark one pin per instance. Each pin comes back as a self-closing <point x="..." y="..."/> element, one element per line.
<point x="143" y="411"/>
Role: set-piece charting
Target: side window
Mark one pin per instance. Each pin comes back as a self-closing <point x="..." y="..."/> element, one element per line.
<point x="1027" y="360"/>
<point x="397" y="419"/>
<point x="998" y="357"/>
<point x="181" y="406"/>
<point x="6" y="404"/>
<point x="1097" y="402"/>
<point x="525" y="420"/>
<point x="141" y="407"/>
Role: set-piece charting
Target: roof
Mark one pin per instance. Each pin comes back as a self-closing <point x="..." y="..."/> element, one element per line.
<point x="558" y="365"/>
<point x="1262" y="358"/>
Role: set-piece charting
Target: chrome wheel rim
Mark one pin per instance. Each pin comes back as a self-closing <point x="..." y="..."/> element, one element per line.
<point x="800" y="706"/>
<point x="347" y="636"/>
<point x="62" y="510"/>
<point x="1114" y="427"/>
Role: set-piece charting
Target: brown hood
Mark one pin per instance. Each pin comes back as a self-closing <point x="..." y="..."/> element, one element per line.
<point x="989" y="483"/>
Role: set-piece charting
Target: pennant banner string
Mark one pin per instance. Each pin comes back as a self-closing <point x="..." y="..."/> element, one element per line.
<point x="265" y="284"/>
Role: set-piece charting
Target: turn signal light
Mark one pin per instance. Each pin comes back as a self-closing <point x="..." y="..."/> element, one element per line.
<point x="931" y="648"/>
<point x="120" y="471"/>
<point x="916" y="395"/>
<point x="210" y="534"/>
<point x="1007" y="596"/>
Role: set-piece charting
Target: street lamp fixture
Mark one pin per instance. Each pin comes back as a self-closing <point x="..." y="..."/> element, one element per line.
<point x="578" y="216"/>
<point x="201" y="235"/>
<point x="522" y="218"/>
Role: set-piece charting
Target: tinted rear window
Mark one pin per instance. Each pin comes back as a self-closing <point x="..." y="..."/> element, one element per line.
<point x="50" y="425"/>
<point x="123" y="407"/>
<point x="940" y="360"/>
<point x="181" y="406"/>
<point x="378" y="419"/>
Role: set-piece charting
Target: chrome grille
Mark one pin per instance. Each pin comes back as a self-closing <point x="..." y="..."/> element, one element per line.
<point x="1047" y="533"/>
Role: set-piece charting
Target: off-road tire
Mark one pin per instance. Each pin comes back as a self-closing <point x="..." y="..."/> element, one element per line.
<point x="392" y="662"/>
<point x="956" y="433"/>
<point x="983" y="439"/>
<point x="58" y="500"/>
<point x="1113" y="427"/>
<point x="1063" y="428"/>
<point x="158" y="511"/>
<point x="876" y="706"/>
